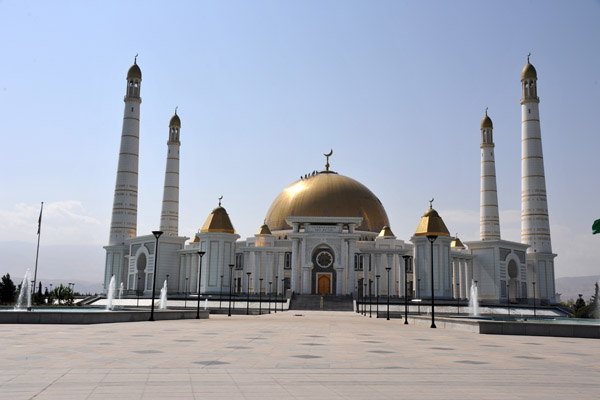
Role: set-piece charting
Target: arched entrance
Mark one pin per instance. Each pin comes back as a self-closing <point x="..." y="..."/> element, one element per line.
<point x="141" y="274"/>
<point x="513" y="282"/>
<point x="323" y="283"/>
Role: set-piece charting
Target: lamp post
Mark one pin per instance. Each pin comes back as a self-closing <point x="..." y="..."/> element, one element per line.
<point x="200" y="254"/>
<point x="230" y="287"/>
<point x="282" y="290"/>
<point x="138" y="292"/>
<point x="270" y="283"/>
<point x="276" y="292"/>
<point x="260" y="296"/>
<point x="156" y="235"/>
<point x="508" y="299"/>
<point x="431" y="240"/>
<point x="533" y="283"/>
<point x="221" y="292"/>
<point x="370" y="299"/>
<point x="248" y="293"/>
<point x="458" y="299"/>
<point x="388" y="269"/>
<point x="406" y="257"/>
<point x="377" y="296"/>
<point x="365" y="299"/>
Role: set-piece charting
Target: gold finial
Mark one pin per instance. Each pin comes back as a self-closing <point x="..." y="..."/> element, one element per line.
<point x="176" y="107"/>
<point x="328" y="155"/>
<point x="485" y="111"/>
<point x="528" y="55"/>
<point x="431" y="203"/>
<point x="135" y="58"/>
<point x="220" y="198"/>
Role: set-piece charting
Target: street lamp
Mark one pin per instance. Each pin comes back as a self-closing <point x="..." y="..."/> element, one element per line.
<point x="282" y="290"/>
<point x="388" y="269"/>
<point x="377" y="296"/>
<point x="406" y="257"/>
<point x="230" y="287"/>
<point x="221" y="292"/>
<point x="431" y="240"/>
<point x="248" y="293"/>
<point x="508" y="299"/>
<point x="458" y="299"/>
<point x="138" y="292"/>
<point x="270" y="283"/>
<point x="156" y="235"/>
<point x="260" y="297"/>
<point x="276" y="292"/>
<point x="533" y="283"/>
<point x="200" y="255"/>
<point x="365" y="298"/>
<point x="370" y="298"/>
<point x="186" y="293"/>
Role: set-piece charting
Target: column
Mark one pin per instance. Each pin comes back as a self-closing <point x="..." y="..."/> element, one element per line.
<point x="351" y="267"/>
<point x="295" y="265"/>
<point x="338" y="280"/>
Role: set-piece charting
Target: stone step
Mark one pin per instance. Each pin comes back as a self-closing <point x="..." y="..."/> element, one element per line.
<point x="317" y="302"/>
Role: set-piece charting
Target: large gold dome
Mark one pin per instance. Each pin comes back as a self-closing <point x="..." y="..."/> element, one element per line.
<point x="327" y="194"/>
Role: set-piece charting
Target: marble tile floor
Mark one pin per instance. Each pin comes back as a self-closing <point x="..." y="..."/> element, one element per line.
<point x="291" y="355"/>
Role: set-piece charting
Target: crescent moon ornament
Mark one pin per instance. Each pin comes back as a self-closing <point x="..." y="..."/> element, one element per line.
<point x="220" y="198"/>
<point x="328" y="155"/>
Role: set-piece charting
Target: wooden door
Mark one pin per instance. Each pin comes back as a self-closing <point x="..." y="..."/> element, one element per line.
<point x="324" y="284"/>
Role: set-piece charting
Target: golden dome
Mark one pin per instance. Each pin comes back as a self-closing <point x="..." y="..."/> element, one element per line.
<point x="175" y="121"/>
<point x="486" y="122"/>
<point x="528" y="72"/>
<point x="432" y="225"/>
<point x="264" y="230"/>
<point x="327" y="194"/>
<point x="457" y="243"/>
<point x="218" y="221"/>
<point x="134" y="72"/>
<point x="386" y="232"/>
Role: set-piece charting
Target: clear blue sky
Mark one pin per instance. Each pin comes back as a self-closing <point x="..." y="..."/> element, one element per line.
<point x="264" y="88"/>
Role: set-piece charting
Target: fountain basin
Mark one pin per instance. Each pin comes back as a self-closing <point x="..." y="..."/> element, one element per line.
<point x="78" y="315"/>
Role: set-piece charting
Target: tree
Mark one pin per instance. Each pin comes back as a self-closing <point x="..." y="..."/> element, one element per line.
<point x="579" y="304"/>
<point x="591" y="310"/>
<point x="62" y="294"/>
<point x="8" y="290"/>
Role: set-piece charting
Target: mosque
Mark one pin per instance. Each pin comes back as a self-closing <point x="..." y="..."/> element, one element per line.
<point x="328" y="234"/>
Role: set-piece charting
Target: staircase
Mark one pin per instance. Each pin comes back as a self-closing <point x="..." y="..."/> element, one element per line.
<point x="318" y="302"/>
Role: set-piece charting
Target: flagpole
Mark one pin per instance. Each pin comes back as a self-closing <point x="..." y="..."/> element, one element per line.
<point x="37" y="253"/>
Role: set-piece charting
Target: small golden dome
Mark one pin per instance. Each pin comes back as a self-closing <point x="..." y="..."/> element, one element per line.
<point x="386" y="232"/>
<point x="195" y="239"/>
<point x="528" y="72"/>
<point x="175" y="121"/>
<point x="218" y="221"/>
<point x="457" y="243"/>
<point x="134" y="72"/>
<point x="486" y="122"/>
<point x="432" y="225"/>
<point x="264" y="230"/>
<point x="327" y="194"/>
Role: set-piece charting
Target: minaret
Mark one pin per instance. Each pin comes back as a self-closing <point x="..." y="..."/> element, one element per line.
<point x="169" y="216"/>
<point x="489" y="221"/>
<point x="123" y="224"/>
<point x="535" y="226"/>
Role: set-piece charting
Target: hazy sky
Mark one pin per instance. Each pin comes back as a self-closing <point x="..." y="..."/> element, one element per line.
<point x="264" y="88"/>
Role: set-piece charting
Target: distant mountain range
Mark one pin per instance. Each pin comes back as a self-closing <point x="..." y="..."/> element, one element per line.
<point x="572" y="287"/>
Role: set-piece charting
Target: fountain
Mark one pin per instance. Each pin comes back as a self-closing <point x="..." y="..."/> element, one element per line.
<point x="24" y="300"/>
<point x="163" y="297"/>
<point x="110" y="296"/>
<point x="473" y="300"/>
<point x="121" y="291"/>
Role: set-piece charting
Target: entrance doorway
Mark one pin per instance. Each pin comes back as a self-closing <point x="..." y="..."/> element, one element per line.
<point x="324" y="284"/>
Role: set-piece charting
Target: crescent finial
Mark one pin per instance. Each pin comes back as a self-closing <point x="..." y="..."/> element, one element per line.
<point x="220" y="198"/>
<point x="431" y="202"/>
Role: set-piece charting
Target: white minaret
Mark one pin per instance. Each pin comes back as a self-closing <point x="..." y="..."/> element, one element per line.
<point x="123" y="224"/>
<point x="169" y="216"/>
<point x="489" y="221"/>
<point x="535" y="226"/>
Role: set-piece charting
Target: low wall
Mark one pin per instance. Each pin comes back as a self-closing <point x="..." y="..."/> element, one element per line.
<point x="539" y="329"/>
<point x="445" y="323"/>
<point x="94" y="317"/>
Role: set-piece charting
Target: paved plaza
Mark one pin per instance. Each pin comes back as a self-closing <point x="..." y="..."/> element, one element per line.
<point x="291" y="355"/>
